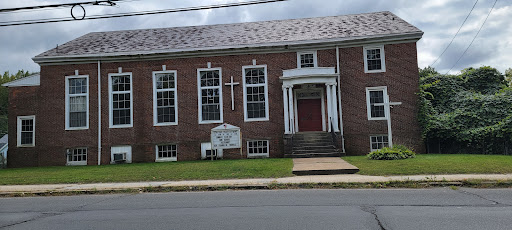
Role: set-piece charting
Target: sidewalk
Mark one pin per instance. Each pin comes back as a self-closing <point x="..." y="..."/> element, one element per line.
<point x="346" y="178"/>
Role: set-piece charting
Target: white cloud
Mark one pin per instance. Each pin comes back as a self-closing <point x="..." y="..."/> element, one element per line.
<point x="439" y="19"/>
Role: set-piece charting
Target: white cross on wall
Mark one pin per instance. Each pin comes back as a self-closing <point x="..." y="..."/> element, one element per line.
<point x="232" y="84"/>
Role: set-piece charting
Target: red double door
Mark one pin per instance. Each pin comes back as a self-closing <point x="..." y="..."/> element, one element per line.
<point x="309" y="112"/>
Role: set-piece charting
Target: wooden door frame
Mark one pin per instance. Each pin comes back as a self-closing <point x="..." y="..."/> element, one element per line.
<point x="322" y="101"/>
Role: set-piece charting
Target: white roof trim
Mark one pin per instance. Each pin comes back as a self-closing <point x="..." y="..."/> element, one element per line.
<point x="32" y="80"/>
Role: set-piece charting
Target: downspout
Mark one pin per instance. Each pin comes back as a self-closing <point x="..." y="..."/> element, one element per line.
<point x="99" y="112"/>
<point x="339" y="98"/>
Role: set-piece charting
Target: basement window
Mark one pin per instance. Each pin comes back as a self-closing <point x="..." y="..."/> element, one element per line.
<point x="166" y="153"/>
<point x="76" y="156"/>
<point x="257" y="148"/>
<point x="378" y="142"/>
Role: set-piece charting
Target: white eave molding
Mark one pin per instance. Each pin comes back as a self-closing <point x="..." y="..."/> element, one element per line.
<point x="231" y="50"/>
<point x="32" y="80"/>
<point x="309" y="75"/>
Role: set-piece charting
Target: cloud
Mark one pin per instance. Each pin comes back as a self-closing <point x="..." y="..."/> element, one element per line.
<point x="439" y="19"/>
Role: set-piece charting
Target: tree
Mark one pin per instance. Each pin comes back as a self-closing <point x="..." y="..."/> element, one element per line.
<point x="508" y="76"/>
<point x="4" y="96"/>
<point x="469" y="112"/>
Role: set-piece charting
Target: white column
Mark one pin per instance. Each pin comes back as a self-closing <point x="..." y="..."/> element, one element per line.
<point x="329" y="106"/>
<point x="290" y="107"/>
<point x="334" y="108"/>
<point x="285" y="106"/>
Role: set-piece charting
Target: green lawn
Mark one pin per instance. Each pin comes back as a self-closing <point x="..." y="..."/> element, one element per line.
<point x="187" y="170"/>
<point x="434" y="164"/>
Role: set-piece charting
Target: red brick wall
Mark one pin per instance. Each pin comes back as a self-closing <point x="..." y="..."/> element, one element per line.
<point x="401" y="78"/>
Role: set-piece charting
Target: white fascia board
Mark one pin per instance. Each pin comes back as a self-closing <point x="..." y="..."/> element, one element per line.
<point x="229" y="50"/>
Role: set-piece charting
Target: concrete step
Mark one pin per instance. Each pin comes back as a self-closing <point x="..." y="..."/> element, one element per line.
<point x="322" y="166"/>
<point x="310" y="154"/>
<point x="314" y="148"/>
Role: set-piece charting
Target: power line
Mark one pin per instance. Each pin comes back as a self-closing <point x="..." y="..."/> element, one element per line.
<point x="455" y="34"/>
<point x="474" y="37"/>
<point x="58" y="7"/>
<point x="40" y="21"/>
<point x="108" y="2"/>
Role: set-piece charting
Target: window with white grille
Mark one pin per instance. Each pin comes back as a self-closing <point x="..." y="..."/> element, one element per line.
<point x="255" y="93"/>
<point x="257" y="148"/>
<point x="77" y="156"/>
<point x="166" y="152"/>
<point x="77" y="102"/>
<point x="378" y="142"/>
<point x="307" y="59"/>
<point x="165" y="98"/>
<point x="375" y="99"/>
<point x="121" y="101"/>
<point x="26" y="133"/>
<point x="210" y="95"/>
<point x="374" y="61"/>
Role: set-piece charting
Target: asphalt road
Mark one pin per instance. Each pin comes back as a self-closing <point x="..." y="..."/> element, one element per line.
<point x="440" y="208"/>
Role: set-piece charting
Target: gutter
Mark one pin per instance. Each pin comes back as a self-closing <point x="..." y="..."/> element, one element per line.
<point x="340" y="114"/>
<point x="99" y="112"/>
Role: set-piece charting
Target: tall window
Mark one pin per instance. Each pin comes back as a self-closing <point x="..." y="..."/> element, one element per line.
<point x="210" y="95"/>
<point x="306" y="59"/>
<point x="255" y="93"/>
<point x="165" y="98"/>
<point x="378" y="142"/>
<point x="77" y="102"/>
<point x="26" y="133"/>
<point x="121" y="102"/>
<point x="166" y="153"/>
<point x="375" y="98"/>
<point x="77" y="156"/>
<point x="374" y="59"/>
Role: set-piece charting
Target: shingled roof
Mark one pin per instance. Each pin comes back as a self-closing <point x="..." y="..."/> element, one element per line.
<point x="239" y="35"/>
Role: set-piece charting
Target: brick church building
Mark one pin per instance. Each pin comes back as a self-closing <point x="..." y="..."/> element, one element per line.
<point x="300" y="87"/>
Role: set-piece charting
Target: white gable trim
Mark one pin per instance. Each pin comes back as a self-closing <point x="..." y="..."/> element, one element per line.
<point x="32" y="80"/>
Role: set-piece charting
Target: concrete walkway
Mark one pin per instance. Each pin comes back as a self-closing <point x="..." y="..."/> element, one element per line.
<point x="322" y="166"/>
<point x="344" y="178"/>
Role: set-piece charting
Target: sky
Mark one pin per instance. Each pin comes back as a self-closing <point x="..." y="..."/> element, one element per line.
<point x="438" y="19"/>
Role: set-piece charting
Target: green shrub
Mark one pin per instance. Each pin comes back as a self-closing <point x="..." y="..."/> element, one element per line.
<point x="398" y="152"/>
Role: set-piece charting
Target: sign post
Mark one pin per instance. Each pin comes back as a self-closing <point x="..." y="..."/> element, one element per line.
<point x="226" y="136"/>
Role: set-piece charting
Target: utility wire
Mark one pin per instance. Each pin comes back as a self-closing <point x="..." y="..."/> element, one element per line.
<point x="57" y="7"/>
<point x="455" y="34"/>
<point x="474" y="37"/>
<point x="109" y="2"/>
<point x="40" y="21"/>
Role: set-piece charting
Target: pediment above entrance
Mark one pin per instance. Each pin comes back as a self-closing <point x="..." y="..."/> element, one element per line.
<point x="309" y="76"/>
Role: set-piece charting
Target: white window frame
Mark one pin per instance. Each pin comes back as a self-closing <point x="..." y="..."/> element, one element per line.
<point x="110" y="98"/>
<point x="155" y="91"/>
<point x="382" y="59"/>
<point x="72" y="163"/>
<point x="315" y="58"/>
<point x="199" y="103"/>
<point x="86" y="100"/>
<point x="18" y="131"/>
<point x="246" y="115"/>
<point x="165" y="159"/>
<point x="377" y="135"/>
<point x="368" y="105"/>
<point x="258" y="154"/>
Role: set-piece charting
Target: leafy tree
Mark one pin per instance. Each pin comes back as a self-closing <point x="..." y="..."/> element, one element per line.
<point x="427" y="71"/>
<point x="4" y="96"/>
<point x="470" y="111"/>
<point x="508" y="76"/>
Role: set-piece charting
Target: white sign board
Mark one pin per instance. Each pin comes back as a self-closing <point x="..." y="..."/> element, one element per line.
<point x="225" y="136"/>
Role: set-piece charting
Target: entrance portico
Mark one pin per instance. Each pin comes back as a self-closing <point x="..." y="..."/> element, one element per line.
<point x="301" y="105"/>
